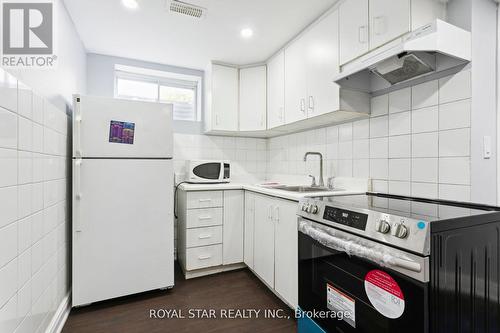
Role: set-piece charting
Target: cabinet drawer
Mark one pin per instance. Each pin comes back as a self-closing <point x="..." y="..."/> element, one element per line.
<point x="203" y="236"/>
<point x="202" y="257"/>
<point x="204" y="199"/>
<point x="204" y="217"/>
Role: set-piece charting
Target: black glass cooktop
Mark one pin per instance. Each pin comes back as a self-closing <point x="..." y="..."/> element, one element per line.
<point x="418" y="208"/>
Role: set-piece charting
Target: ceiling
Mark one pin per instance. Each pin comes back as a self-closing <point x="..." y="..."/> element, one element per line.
<point x="151" y="33"/>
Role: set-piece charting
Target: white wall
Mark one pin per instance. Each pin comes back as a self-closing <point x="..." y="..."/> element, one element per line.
<point x="34" y="202"/>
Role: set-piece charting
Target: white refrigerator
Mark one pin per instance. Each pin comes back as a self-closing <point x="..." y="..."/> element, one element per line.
<point x="123" y="233"/>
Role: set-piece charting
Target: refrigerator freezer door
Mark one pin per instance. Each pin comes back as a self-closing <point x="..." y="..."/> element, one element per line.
<point x="123" y="234"/>
<point x="108" y="127"/>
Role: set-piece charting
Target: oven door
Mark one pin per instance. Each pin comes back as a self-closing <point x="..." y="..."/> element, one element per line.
<point x="359" y="288"/>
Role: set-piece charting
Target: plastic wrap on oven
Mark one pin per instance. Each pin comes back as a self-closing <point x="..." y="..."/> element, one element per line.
<point x="355" y="246"/>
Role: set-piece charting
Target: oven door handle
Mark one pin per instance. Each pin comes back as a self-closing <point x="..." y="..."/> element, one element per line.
<point x="356" y="248"/>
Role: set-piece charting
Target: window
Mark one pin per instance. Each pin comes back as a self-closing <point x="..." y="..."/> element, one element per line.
<point x="162" y="87"/>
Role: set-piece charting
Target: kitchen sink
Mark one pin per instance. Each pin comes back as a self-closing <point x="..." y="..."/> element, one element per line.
<point x="303" y="189"/>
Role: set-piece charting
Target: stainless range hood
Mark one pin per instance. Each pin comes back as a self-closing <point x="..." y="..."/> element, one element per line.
<point x="433" y="48"/>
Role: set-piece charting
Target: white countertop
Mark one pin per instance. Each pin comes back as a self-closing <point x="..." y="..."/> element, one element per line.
<point x="350" y="187"/>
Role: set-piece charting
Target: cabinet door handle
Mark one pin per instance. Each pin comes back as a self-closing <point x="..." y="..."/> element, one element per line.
<point x="311" y="103"/>
<point x="362" y="34"/>
<point x="277" y="218"/>
<point x="281" y="113"/>
<point x="208" y="217"/>
<point x="216" y="119"/>
<point x="205" y="257"/>
<point x="204" y="236"/>
<point x="205" y="200"/>
<point x="302" y="105"/>
<point x="378" y="25"/>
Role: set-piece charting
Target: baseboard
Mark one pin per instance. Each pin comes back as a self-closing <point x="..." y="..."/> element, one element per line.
<point x="57" y="323"/>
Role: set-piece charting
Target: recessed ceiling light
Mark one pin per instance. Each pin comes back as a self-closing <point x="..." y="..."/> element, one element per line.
<point x="246" y="33"/>
<point x="130" y="4"/>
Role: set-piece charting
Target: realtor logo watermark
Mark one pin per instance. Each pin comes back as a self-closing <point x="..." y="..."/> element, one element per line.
<point x="28" y="34"/>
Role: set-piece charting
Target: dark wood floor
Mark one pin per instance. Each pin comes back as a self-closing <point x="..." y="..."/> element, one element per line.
<point x="232" y="290"/>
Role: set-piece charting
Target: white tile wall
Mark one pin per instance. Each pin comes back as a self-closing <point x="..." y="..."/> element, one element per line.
<point x="417" y="141"/>
<point x="247" y="155"/>
<point x="33" y="208"/>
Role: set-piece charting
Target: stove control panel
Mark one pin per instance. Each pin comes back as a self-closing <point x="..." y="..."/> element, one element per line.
<point x="389" y="228"/>
<point x="346" y="217"/>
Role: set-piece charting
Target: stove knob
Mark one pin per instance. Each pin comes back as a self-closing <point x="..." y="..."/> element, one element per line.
<point x="383" y="226"/>
<point x="401" y="231"/>
<point x="304" y="207"/>
<point x="314" y="209"/>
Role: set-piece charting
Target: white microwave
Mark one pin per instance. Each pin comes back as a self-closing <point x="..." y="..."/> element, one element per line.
<point x="200" y="171"/>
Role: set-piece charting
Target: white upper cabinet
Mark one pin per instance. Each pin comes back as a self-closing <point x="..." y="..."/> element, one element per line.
<point x="389" y="19"/>
<point x="322" y="63"/>
<point x="222" y="98"/>
<point x="368" y="24"/>
<point x="354" y="31"/>
<point x="295" y="81"/>
<point x="253" y="98"/>
<point x="311" y="62"/>
<point x="276" y="90"/>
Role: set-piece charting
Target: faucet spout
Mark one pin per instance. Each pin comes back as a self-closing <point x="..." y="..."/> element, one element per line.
<point x="321" y="180"/>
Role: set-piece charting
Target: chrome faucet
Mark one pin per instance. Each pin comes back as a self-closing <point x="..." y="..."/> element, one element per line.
<point x="321" y="181"/>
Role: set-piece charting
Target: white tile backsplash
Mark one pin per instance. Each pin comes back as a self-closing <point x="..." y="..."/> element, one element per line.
<point x="400" y="146"/>
<point x="425" y="119"/>
<point x="379" y="105"/>
<point x="400" y="100"/>
<point x="28" y="299"/>
<point x="454" y="115"/>
<point x="400" y="169"/>
<point x="417" y="138"/>
<point x="454" y="143"/>
<point x="455" y="87"/>
<point x="454" y="170"/>
<point x="425" y="170"/>
<point x="425" y="94"/>
<point x="425" y="145"/>
<point x="379" y="148"/>
<point x="400" y="123"/>
<point x="379" y="127"/>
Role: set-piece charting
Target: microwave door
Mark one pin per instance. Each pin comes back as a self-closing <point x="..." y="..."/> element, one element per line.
<point x="208" y="171"/>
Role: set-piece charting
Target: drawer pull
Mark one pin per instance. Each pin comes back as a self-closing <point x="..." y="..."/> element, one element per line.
<point x="208" y="217"/>
<point x="204" y="236"/>
<point x="205" y="257"/>
<point x="205" y="200"/>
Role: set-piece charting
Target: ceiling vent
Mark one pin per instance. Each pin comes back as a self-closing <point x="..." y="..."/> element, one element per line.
<point x="186" y="9"/>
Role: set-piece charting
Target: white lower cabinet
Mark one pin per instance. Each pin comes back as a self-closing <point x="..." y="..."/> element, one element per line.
<point x="210" y="231"/>
<point x="248" y="243"/>
<point x="264" y="239"/>
<point x="286" y="251"/>
<point x="232" y="239"/>
<point x="271" y="243"/>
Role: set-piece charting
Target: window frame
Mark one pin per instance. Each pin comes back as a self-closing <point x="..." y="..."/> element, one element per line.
<point x="161" y="78"/>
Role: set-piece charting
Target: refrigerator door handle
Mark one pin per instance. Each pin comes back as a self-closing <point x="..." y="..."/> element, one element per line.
<point x="78" y="193"/>
<point x="78" y="131"/>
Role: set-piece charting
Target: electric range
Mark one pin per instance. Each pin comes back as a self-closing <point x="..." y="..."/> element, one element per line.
<point x="396" y="262"/>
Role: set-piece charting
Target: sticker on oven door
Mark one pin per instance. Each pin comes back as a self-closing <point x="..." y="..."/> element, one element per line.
<point x="384" y="293"/>
<point x="121" y="132"/>
<point x="340" y="302"/>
